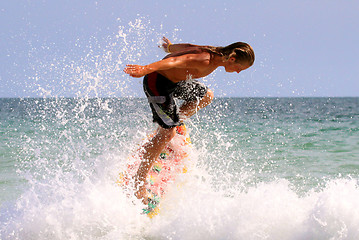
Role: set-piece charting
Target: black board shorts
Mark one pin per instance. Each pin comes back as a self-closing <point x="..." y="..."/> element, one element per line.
<point x="161" y="92"/>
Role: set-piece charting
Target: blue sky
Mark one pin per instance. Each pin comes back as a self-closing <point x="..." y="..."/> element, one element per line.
<point x="79" y="48"/>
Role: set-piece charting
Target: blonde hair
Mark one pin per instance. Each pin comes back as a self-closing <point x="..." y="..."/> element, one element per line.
<point x="241" y="51"/>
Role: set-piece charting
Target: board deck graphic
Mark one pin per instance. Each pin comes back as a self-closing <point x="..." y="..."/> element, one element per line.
<point x="170" y="163"/>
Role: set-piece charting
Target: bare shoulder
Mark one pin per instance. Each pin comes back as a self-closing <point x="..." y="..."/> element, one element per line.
<point x="198" y="60"/>
<point x="194" y="53"/>
<point x="200" y="57"/>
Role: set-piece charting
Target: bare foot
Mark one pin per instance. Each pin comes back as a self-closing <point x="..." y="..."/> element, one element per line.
<point x="142" y="193"/>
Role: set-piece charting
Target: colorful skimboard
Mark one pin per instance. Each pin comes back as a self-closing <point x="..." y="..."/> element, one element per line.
<point x="171" y="162"/>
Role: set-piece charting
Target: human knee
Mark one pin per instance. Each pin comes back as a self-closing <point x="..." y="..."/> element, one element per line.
<point x="210" y="95"/>
<point x="207" y="99"/>
<point x="172" y="132"/>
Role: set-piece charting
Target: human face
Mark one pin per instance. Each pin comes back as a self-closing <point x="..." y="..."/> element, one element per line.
<point x="232" y="66"/>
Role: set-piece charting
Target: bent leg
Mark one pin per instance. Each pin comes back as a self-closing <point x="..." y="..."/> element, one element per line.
<point x="151" y="151"/>
<point x="190" y="108"/>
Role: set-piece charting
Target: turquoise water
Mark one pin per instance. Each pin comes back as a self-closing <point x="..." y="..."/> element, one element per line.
<point x="263" y="168"/>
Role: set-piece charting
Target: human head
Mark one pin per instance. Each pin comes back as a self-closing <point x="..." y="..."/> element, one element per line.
<point x="242" y="52"/>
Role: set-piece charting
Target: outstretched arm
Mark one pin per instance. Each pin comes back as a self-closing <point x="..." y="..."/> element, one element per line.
<point x="168" y="47"/>
<point x="183" y="61"/>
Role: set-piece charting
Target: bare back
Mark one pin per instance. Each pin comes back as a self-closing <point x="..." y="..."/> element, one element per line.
<point x="203" y="65"/>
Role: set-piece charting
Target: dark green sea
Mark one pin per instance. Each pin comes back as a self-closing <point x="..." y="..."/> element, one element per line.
<point x="262" y="168"/>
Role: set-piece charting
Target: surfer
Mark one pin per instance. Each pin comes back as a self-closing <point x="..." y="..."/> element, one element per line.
<point x="175" y="77"/>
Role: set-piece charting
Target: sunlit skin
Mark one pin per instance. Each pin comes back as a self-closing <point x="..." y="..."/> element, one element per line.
<point x="177" y="67"/>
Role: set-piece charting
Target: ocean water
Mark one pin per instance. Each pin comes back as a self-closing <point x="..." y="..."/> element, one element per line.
<point x="261" y="168"/>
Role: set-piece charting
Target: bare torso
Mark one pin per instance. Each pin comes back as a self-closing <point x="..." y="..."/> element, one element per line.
<point x="203" y="69"/>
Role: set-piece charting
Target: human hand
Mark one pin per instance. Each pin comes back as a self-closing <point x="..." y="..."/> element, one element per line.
<point x="135" y="70"/>
<point x="165" y="44"/>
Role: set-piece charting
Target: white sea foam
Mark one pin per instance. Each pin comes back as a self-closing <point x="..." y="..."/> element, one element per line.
<point x="267" y="211"/>
<point x="97" y="208"/>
